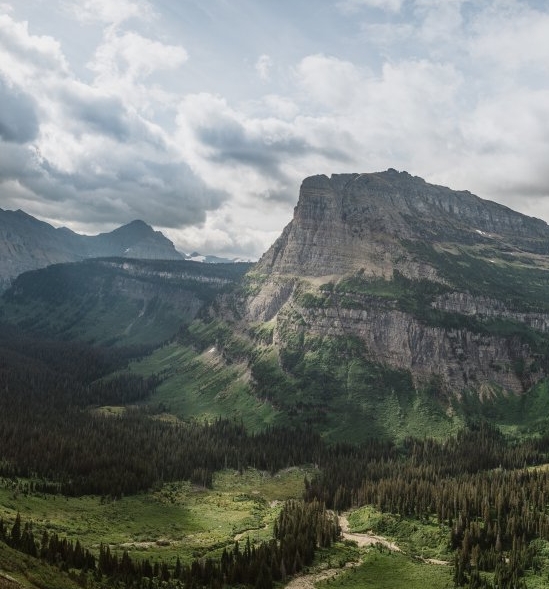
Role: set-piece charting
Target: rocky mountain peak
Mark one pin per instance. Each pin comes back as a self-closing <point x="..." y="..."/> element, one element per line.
<point x="437" y="282"/>
<point x="357" y="221"/>
<point x="27" y="243"/>
<point x="137" y="240"/>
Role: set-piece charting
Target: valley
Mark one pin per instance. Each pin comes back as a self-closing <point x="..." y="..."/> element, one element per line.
<point x="200" y="425"/>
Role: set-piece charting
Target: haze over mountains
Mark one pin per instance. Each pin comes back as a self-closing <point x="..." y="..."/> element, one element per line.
<point x="385" y="299"/>
<point x="27" y="243"/>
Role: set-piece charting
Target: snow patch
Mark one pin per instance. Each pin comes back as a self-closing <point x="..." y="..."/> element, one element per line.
<point x="483" y="233"/>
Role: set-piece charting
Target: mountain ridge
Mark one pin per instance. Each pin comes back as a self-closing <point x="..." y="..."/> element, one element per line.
<point x="27" y="243"/>
<point x="376" y="305"/>
<point x="357" y="211"/>
<point x="438" y="283"/>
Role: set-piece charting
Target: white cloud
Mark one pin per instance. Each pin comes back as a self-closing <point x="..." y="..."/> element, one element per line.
<point x="109" y="12"/>
<point x="134" y="56"/>
<point x="123" y="64"/>
<point x="229" y="232"/>
<point x="355" y="5"/>
<point x="263" y="66"/>
<point x="23" y="55"/>
<point x="511" y="36"/>
<point x="328" y="81"/>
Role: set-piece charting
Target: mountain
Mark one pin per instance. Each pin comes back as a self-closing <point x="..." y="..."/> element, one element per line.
<point x="388" y="307"/>
<point x="390" y="259"/>
<point x="115" y="300"/>
<point x="27" y="244"/>
<point x="362" y="222"/>
<point x="384" y="286"/>
<point x="134" y="240"/>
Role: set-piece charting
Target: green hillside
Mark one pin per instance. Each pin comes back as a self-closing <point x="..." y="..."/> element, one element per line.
<point x="18" y="571"/>
<point x="115" y="301"/>
<point x="188" y="426"/>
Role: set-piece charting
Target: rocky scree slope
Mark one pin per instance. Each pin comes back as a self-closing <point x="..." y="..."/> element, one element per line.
<point x="438" y="283"/>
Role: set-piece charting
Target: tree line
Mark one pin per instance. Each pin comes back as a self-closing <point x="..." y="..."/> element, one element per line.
<point x="301" y="528"/>
<point x="483" y="488"/>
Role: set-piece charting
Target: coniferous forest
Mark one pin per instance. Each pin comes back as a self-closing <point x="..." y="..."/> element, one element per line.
<point x="489" y="491"/>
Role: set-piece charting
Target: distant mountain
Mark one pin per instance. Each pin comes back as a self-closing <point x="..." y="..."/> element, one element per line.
<point x="134" y="240"/>
<point x="115" y="300"/>
<point x="209" y="259"/>
<point x="28" y="244"/>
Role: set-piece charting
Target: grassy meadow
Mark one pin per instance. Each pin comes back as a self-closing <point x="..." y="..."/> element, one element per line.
<point x="177" y="519"/>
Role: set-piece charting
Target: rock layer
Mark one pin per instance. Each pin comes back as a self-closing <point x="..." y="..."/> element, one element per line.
<point x="375" y="226"/>
<point x="357" y="221"/>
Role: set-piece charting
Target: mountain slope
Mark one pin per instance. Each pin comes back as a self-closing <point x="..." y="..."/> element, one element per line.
<point x="388" y="307"/>
<point x="353" y="222"/>
<point x="115" y="300"/>
<point x="27" y="244"/>
<point x="383" y="288"/>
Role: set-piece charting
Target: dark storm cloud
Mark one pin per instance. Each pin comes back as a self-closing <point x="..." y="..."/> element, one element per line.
<point x="18" y="120"/>
<point x="165" y="194"/>
<point x="101" y="114"/>
<point x="264" y="152"/>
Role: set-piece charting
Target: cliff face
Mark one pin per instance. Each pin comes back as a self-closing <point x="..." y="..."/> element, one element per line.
<point x="431" y="281"/>
<point x="460" y="358"/>
<point x="353" y="222"/>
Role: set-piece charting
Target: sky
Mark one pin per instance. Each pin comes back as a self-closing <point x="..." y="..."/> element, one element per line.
<point x="202" y="117"/>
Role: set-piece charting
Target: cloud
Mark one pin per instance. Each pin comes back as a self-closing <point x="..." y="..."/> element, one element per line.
<point x="512" y="37"/>
<point x="18" y="120"/>
<point x="23" y="55"/>
<point x="327" y="80"/>
<point x="130" y="55"/>
<point x="247" y="156"/>
<point x="88" y="153"/>
<point x="441" y="22"/>
<point x="130" y="123"/>
<point x="109" y="12"/>
<point x="347" y="6"/>
<point x="228" y="232"/>
<point x="263" y="67"/>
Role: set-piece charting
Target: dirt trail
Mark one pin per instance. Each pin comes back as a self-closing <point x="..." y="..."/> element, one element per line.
<point x="309" y="581"/>
<point x="364" y="539"/>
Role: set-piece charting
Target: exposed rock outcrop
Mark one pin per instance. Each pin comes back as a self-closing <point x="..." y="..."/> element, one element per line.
<point x="377" y="226"/>
<point x="358" y="221"/>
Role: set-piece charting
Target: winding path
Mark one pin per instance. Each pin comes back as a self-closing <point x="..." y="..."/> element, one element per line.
<point x="308" y="581"/>
<point x="364" y="539"/>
